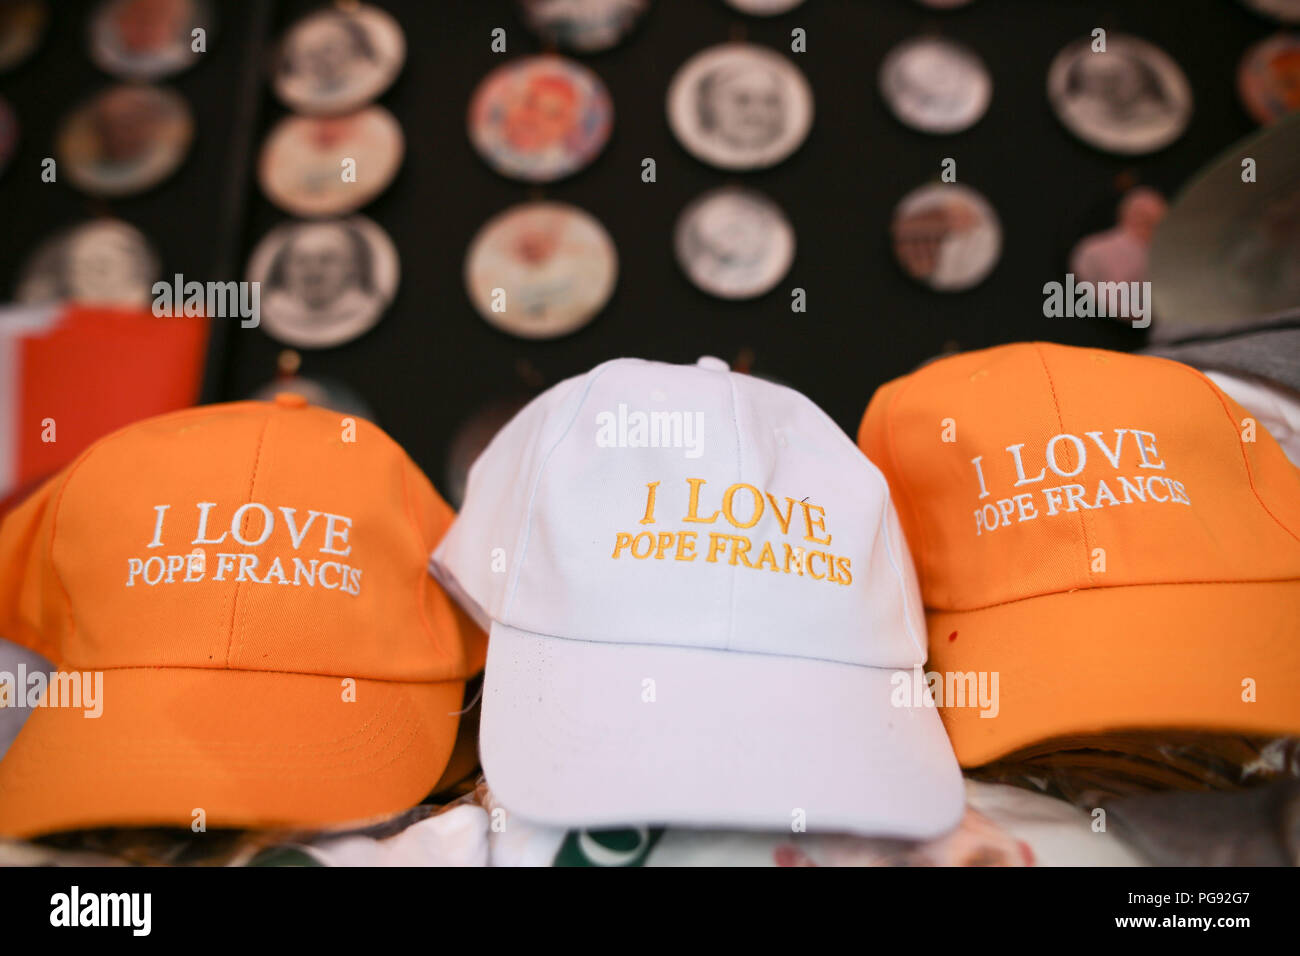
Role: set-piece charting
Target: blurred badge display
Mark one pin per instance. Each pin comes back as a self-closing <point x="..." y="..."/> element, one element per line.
<point x="946" y="236"/>
<point x="540" y="118"/>
<point x="101" y="262"/>
<point x="540" y="270"/>
<point x="1287" y="11"/>
<point x="327" y="166"/>
<point x="22" y="24"/>
<point x="1227" y="256"/>
<point x="324" y="283"/>
<point x="8" y="134"/>
<point x="764" y="8"/>
<point x="1130" y="99"/>
<point x="1269" y="77"/>
<point x="935" y="85"/>
<point x="583" y="26"/>
<point x="1120" y="254"/>
<point x="338" y="59"/>
<point x="148" y="39"/>
<point x="471" y="438"/>
<point x="734" y="243"/>
<point x="125" y="140"/>
<point x="740" y="106"/>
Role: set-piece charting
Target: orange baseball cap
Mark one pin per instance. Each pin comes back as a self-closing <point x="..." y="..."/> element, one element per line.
<point x="1104" y="535"/>
<point x="251" y="581"/>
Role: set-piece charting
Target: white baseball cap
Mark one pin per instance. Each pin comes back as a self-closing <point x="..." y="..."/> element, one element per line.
<point x="700" y="605"/>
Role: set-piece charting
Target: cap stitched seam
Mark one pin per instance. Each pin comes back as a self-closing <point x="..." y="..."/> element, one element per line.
<point x="711" y="648"/>
<point x="234" y="599"/>
<point x="1060" y="421"/>
<point x="740" y="476"/>
<point x="526" y="532"/>
<point x="1105" y="587"/>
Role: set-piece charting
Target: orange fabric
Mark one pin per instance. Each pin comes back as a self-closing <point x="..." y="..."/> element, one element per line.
<point x="1051" y="571"/>
<point x="309" y="569"/>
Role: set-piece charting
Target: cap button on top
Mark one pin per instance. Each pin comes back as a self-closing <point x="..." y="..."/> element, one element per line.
<point x="716" y="364"/>
<point x="290" y="400"/>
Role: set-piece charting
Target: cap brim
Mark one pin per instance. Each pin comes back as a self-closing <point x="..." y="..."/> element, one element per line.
<point x="247" y="748"/>
<point x="591" y="734"/>
<point x="1097" y="660"/>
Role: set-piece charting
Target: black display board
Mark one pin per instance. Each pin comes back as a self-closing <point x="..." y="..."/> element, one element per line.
<point x="432" y="361"/>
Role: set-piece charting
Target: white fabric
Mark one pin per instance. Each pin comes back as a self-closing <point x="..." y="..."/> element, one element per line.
<point x="570" y="737"/>
<point x="456" y="837"/>
<point x="1276" y="409"/>
<point x="536" y="548"/>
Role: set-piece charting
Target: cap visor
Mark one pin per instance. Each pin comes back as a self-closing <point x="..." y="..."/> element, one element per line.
<point x="590" y="734"/>
<point x="1168" y="656"/>
<point x="247" y="748"/>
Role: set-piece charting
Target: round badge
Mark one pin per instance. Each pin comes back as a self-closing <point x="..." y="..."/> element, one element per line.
<point x="540" y="118"/>
<point x="324" y="282"/>
<point x="147" y="39"/>
<point x="326" y="166"/>
<point x="8" y="134"/>
<point x="583" y="26"/>
<point x="947" y="236"/>
<point x="540" y="270"/>
<point x="1131" y="99"/>
<point x="104" y="262"/>
<point x="125" y="140"/>
<point x="469" y="441"/>
<point x="337" y="60"/>
<point x="22" y="24"/>
<point x="734" y="243"/>
<point x="764" y="8"/>
<point x="321" y="392"/>
<point x="1269" y="77"/>
<point x="740" y="106"/>
<point x="1120" y="254"/>
<point x="935" y="85"/>
<point x="1287" y="11"/>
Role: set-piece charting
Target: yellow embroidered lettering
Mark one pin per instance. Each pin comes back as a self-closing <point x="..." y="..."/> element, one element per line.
<point x="693" y="513"/>
<point x="739" y="551"/>
<point x="686" y="546"/>
<point x="782" y="519"/>
<point x="715" y="541"/>
<point x="649" y="518"/>
<point x="819" y="524"/>
<point x="621" y="540"/>
<point x="730" y="515"/>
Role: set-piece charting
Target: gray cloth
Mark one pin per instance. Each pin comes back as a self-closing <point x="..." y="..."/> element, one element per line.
<point x="1271" y="354"/>
<point x="1255" y="827"/>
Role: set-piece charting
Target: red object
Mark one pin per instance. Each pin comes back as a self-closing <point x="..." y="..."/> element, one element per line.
<point x="91" y="371"/>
